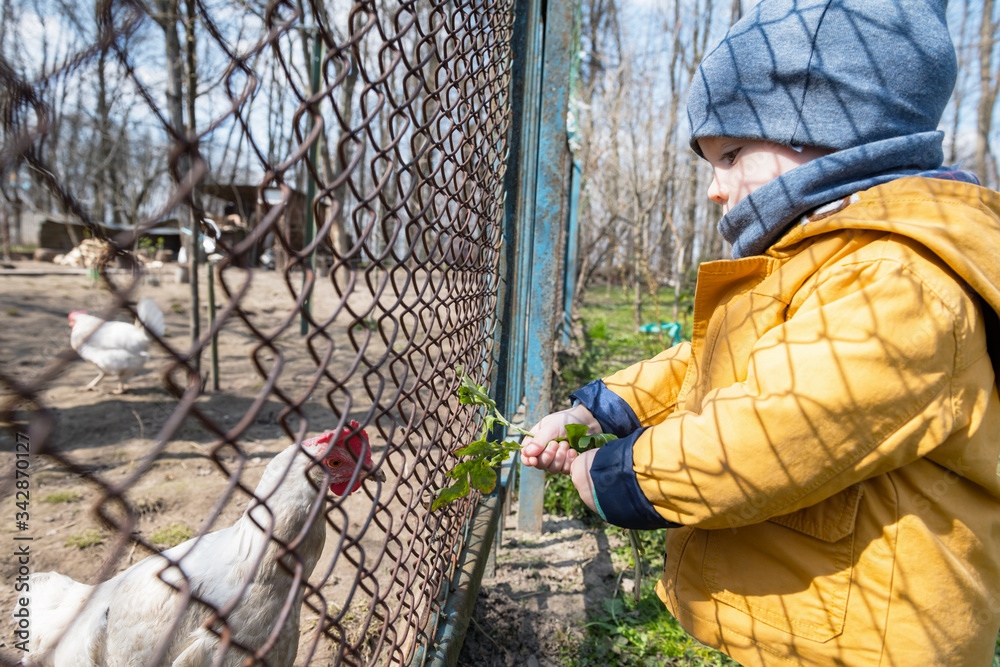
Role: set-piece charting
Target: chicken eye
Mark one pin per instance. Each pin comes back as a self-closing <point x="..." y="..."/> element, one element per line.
<point x="334" y="462"/>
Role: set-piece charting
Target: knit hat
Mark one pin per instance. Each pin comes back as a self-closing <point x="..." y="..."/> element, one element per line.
<point x="828" y="73"/>
<point x="867" y="78"/>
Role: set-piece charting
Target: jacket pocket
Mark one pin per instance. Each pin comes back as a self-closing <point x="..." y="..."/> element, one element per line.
<point x="792" y="572"/>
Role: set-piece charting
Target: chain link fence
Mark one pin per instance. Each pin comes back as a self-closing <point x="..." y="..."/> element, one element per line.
<point x="383" y="222"/>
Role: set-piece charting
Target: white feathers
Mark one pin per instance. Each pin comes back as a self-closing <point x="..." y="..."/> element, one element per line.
<point x="127" y="617"/>
<point x="116" y="348"/>
<point x="58" y="600"/>
<point x="150" y="315"/>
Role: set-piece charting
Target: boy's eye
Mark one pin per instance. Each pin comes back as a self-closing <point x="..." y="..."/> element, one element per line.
<point x="730" y="156"/>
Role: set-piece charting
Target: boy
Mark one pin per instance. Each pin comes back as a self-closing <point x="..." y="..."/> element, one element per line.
<point x="825" y="449"/>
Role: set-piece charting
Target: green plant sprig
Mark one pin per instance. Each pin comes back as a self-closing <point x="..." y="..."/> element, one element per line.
<point x="477" y="472"/>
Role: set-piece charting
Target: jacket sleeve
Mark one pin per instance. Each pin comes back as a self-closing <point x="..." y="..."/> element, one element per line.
<point x="859" y="380"/>
<point x="640" y="395"/>
<point x="625" y="404"/>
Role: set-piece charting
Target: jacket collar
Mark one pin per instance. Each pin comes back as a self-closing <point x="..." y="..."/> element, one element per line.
<point x="957" y="221"/>
<point x="761" y="218"/>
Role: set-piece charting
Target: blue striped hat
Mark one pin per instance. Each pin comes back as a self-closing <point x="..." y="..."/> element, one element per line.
<point x="828" y="73"/>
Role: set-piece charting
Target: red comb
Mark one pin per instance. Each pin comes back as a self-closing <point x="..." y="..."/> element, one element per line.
<point x="355" y="440"/>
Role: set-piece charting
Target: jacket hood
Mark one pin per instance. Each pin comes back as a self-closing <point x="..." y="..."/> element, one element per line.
<point x="959" y="222"/>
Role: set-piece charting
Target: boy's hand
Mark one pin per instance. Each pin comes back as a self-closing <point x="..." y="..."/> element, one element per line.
<point x="539" y="450"/>
<point x="581" y="478"/>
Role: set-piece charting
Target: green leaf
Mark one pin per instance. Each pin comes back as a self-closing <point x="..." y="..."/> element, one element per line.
<point x="482" y="477"/>
<point x="477" y="448"/>
<point x="488" y="421"/>
<point x="573" y="434"/>
<point x="461" y="468"/>
<point x="595" y="440"/>
<point x="576" y="436"/>
<point x="575" y="431"/>
<point x="485" y="455"/>
<point x="505" y="449"/>
<point x="465" y="396"/>
<point x="471" y="393"/>
<point x="459" y="489"/>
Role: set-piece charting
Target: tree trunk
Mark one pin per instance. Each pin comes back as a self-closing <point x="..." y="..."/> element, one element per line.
<point x="338" y="232"/>
<point x="637" y="278"/>
<point x="5" y="18"/>
<point x="193" y="206"/>
<point x="168" y="16"/>
<point x="5" y="233"/>
<point x="987" y="91"/>
<point x="100" y="185"/>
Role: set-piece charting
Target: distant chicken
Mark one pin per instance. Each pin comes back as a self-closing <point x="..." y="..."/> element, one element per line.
<point x="124" y="620"/>
<point x="116" y="348"/>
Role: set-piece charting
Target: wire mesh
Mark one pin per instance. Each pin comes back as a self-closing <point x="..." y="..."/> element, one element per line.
<point x="395" y="151"/>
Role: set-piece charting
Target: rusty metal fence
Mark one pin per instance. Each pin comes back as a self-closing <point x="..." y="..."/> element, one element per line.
<point x="394" y="225"/>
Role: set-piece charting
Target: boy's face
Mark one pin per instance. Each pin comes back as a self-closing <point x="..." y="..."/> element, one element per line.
<point x="740" y="166"/>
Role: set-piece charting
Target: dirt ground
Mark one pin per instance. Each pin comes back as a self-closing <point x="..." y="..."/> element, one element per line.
<point x="532" y="609"/>
<point x="537" y="597"/>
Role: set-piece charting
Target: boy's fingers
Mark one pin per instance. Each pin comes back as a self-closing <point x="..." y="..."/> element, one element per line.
<point x="545" y="457"/>
<point x="558" y="457"/>
<point x="570" y="457"/>
<point x="533" y="445"/>
<point x="563" y="460"/>
<point x="561" y="457"/>
<point x="533" y="454"/>
<point x="552" y="456"/>
<point x="529" y="455"/>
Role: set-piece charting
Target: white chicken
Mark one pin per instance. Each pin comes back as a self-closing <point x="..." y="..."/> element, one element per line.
<point x="116" y="348"/>
<point x="124" y="620"/>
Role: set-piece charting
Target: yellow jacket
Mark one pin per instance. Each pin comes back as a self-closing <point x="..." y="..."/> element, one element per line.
<point x="827" y="445"/>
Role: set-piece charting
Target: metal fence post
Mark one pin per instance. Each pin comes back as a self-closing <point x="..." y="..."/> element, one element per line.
<point x="549" y="217"/>
<point x="522" y="264"/>
<point x="520" y="190"/>
<point x="569" y="257"/>
<point x="508" y="379"/>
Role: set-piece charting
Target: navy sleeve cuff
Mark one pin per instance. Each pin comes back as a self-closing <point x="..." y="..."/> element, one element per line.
<point x="617" y="491"/>
<point x="609" y="409"/>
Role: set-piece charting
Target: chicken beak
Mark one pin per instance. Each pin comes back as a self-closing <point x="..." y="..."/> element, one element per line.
<point x="371" y="473"/>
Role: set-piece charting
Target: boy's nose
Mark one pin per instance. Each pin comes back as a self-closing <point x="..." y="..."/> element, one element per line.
<point x="717" y="192"/>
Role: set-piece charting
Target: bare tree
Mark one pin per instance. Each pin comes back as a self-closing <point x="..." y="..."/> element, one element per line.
<point x="989" y="82"/>
<point x="643" y="186"/>
<point x="167" y="16"/>
<point x="964" y="51"/>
